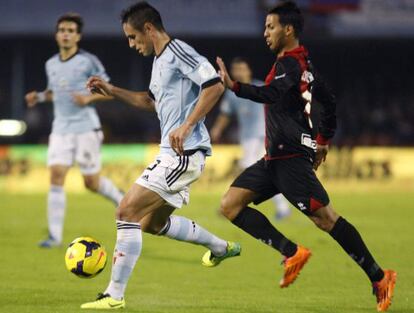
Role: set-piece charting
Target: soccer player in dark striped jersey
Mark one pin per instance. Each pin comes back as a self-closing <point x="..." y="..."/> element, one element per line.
<point x="295" y="146"/>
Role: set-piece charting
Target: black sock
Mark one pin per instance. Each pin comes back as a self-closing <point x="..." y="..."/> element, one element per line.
<point x="256" y="224"/>
<point x="350" y="240"/>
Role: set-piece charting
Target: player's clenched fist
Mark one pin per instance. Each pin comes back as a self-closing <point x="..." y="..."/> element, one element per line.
<point x="320" y="155"/>
<point x="31" y="99"/>
<point x="97" y="85"/>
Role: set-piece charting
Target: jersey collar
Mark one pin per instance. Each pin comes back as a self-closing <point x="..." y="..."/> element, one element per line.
<point x="163" y="49"/>
<point x="301" y="50"/>
<point x="71" y="57"/>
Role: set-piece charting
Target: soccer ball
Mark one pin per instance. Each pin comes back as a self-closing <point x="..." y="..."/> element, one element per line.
<point x="85" y="257"/>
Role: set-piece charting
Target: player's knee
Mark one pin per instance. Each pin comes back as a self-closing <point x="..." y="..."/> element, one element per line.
<point x="122" y="211"/>
<point x="126" y="210"/>
<point x="230" y="208"/>
<point x="91" y="183"/>
<point x="325" y="218"/>
<point x="57" y="176"/>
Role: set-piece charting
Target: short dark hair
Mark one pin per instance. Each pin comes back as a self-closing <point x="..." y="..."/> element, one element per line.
<point x="71" y="17"/>
<point x="237" y="60"/>
<point x="139" y="14"/>
<point x="289" y="14"/>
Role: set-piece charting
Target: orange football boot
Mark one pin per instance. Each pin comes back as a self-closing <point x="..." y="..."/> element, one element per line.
<point x="293" y="265"/>
<point x="384" y="290"/>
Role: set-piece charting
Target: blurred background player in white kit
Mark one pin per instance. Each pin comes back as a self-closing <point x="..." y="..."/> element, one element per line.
<point x="76" y="131"/>
<point x="251" y="125"/>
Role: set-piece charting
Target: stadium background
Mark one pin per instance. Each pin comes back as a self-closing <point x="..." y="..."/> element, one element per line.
<point x="364" y="49"/>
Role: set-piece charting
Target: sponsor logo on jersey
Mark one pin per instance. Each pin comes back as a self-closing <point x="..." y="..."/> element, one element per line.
<point x="206" y="71"/>
<point x="308" y="142"/>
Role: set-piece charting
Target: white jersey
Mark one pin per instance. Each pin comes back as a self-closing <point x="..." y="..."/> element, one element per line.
<point x="178" y="76"/>
<point x="64" y="79"/>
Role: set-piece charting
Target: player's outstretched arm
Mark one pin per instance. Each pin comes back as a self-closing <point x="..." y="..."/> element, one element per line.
<point x="32" y="98"/>
<point x="86" y="99"/>
<point x="139" y="99"/>
<point x="288" y="75"/>
<point x="208" y="98"/>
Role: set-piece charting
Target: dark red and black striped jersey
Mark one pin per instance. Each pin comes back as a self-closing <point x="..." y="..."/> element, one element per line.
<point x="292" y="88"/>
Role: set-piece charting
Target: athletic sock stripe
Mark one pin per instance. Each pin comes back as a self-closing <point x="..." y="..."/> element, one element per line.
<point x="179" y="175"/>
<point x="185" y="58"/>
<point x="185" y="53"/>
<point x="174" y="178"/>
<point x="174" y="170"/>
<point x="128" y="227"/>
<point x="126" y="223"/>
<point x="166" y="227"/>
<point x="177" y="172"/>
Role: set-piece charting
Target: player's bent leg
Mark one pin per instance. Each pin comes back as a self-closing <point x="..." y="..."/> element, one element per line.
<point x="324" y="218"/>
<point x="154" y="222"/>
<point x="56" y="206"/>
<point x="180" y="228"/>
<point x="136" y="204"/>
<point x="235" y="200"/>
<point x="348" y="237"/>
<point x="104" y="186"/>
<point x="234" y="207"/>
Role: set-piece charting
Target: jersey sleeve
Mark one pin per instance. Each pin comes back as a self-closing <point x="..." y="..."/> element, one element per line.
<point x="327" y="125"/>
<point x="288" y="74"/>
<point x="97" y="69"/>
<point x="194" y="66"/>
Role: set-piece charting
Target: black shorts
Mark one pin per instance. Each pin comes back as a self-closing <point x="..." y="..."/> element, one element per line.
<point x="293" y="177"/>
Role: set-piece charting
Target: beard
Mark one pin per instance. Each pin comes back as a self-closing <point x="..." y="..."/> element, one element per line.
<point x="281" y="43"/>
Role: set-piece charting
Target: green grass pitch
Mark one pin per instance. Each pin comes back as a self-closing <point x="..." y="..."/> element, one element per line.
<point x="170" y="278"/>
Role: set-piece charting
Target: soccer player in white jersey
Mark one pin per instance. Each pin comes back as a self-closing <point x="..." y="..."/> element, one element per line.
<point x="184" y="87"/>
<point x="251" y="121"/>
<point x="76" y="131"/>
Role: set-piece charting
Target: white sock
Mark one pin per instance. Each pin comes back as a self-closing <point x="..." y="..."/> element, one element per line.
<point x="56" y="204"/>
<point x="109" y="190"/>
<point x="281" y="203"/>
<point x="183" y="229"/>
<point x="127" y="251"/>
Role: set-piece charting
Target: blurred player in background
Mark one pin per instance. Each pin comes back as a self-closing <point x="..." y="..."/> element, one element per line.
<point x="184" y="87"/>
<point x="294" y="147"/>
<point x="251" y="122"/>
<point x="76" y="131"/>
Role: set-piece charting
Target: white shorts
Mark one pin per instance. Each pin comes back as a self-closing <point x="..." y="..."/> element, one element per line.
<point x="84" y="148"/>
<point x="171" y="176"/>
<point x="253" y="150"/>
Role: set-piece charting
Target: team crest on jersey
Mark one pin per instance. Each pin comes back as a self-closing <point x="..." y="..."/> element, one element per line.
<point x="206" y="70"/>
<point x="307" y="77"/>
